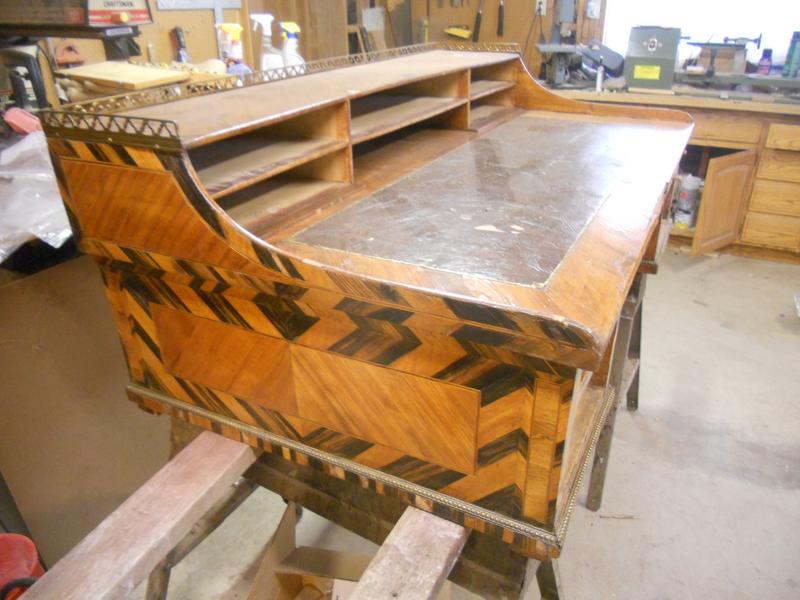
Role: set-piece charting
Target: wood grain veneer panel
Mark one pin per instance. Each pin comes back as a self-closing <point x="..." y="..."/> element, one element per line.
<point x="425" y="418"/>
<point x="255" y="367"/>
<point x="543" y="447"/>
<point x="144" y="209"/>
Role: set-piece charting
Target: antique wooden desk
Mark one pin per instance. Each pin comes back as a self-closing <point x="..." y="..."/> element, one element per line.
<point x="405" y="270"/>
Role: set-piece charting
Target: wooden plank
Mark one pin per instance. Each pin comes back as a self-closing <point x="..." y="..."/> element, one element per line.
<point x="414" y="561"/>
<point x="258" y="159"/>
<point x="129" y="543"/>
<point x="484" y="115"/>
<point x="486" y="87"/>
<point x="266" y="583"/>
<point x="258" y="208"/>
<point x="377" y="115"/>
<point x="687" y="232"/>
<point x="125" y="75"/>
<point x="487" y="566"/>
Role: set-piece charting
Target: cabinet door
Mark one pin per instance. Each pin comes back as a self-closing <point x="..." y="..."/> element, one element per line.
<point x="724" y="201"/>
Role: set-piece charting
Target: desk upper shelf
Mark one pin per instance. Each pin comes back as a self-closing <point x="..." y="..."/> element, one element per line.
<point x="203" y="119"/>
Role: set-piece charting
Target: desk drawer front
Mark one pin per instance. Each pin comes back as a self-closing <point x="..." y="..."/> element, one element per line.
<point x="784" y="137"/>
<point x="777" y="197"/>
<point x="779" y="165"/>
<point x="772" y="230"/>
<point x="726" y="127"/>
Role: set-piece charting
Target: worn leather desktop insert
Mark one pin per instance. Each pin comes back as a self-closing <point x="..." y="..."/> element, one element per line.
<point x="507" y="206"/>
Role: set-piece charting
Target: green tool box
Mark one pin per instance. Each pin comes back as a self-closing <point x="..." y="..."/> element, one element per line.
<point x="650" y="61"/>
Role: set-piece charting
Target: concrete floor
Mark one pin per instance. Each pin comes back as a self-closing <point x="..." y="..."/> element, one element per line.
<point x="703" y="491"/>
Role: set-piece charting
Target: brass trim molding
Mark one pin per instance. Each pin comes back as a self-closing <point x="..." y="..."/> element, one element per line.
<point x="609" y="404"/>
<point x="350" y="466"/>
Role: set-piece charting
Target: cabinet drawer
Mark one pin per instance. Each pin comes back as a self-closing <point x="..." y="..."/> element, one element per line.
<point x="772" y="230"/>
<point x="715" y="126"/>
<point x="783" y="137"/>
<point x="780" y="165"/>
<point x="778" y="197"/>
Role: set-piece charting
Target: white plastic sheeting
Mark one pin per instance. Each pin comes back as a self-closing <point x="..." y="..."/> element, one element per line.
<point x="30" y="203"/>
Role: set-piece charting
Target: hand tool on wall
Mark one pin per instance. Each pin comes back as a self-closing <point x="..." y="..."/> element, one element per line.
<point x="476" y="30"/>
<point x="501" y="9"/>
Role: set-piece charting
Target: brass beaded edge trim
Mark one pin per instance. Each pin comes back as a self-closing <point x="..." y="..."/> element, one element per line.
<point x="347" y="465"/>
<point x="609" y="404"/>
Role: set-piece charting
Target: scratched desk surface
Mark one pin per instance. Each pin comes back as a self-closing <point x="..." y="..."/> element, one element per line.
<point x="507" y="206"/>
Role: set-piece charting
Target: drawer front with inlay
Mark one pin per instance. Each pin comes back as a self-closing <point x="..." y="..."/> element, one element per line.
<point x="423" y="417"/>
<point x="783" y="137"/>
<point x="776" y="197"/>
<point x="779" y="165"/>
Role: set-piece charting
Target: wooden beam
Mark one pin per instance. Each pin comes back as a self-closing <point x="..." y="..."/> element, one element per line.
<point x="123" y="550"/>
<point x="414" y="561"/>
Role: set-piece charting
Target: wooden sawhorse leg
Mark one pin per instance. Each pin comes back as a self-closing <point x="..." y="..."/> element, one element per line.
<point x="487" y="566"/>
<point x="548" y="579"/>
<point x="634" y="354"/>
<point x="624" y="372"/>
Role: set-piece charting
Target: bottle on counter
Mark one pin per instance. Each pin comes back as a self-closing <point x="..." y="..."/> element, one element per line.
<point x="291" y="44"/>
<point x="765" y="64"/>
<point x="271" y="57"/>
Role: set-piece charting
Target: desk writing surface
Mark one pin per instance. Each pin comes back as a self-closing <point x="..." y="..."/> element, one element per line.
<point x="508" y="206"/>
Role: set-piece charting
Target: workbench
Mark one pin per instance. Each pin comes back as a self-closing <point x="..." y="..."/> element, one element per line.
<point x="751" y="164"/>
<point x="406" y="270"/>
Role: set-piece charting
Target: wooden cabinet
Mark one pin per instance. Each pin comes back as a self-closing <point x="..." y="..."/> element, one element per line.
<point x="759" y="209"/>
